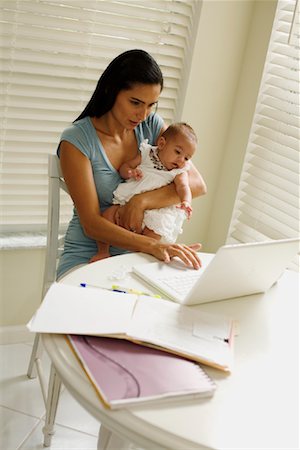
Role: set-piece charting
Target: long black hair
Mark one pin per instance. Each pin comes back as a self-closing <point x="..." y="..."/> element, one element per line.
<point x="129" y="68"/>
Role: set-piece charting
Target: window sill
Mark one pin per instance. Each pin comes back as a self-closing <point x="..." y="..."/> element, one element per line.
<point x="18" y="241"/>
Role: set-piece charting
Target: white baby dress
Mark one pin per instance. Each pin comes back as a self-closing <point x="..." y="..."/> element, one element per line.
<point x="167" y="222"/>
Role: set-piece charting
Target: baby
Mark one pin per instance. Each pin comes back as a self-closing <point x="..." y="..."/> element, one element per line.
<point x="152" y="168"/>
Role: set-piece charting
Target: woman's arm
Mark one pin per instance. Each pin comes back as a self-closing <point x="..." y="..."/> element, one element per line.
<point x="131" y="215"/>
<point x="78" y="175"/>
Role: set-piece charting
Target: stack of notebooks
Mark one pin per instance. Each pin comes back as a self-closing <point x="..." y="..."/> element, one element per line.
<point x="137" y="349"/>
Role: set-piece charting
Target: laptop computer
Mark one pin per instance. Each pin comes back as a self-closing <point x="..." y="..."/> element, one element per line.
<point x="234" y="271"/>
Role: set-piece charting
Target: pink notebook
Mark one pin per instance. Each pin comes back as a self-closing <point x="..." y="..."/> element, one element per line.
<point x="124" y="373"/>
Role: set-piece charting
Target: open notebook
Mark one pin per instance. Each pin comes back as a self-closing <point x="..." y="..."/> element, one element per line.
<point x="234" y="271"/>
<point x="124" y="373"/>
<point x="193" y="334"/>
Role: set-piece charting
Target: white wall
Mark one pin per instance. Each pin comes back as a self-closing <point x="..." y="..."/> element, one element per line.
<point x="226" y="67"/>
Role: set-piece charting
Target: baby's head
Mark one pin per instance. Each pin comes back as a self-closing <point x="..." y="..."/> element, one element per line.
<point x="177" y="145"/>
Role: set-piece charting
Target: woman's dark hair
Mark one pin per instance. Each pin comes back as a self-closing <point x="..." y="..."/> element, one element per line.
<point x="129" y="68"/>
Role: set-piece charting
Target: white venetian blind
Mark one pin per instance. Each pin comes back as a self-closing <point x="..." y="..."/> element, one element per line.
<point x="52" y="55"/>
<point x="267" y="203"/>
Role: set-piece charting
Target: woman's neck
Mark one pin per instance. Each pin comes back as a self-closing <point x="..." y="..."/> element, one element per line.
<point x="107" y="126"/>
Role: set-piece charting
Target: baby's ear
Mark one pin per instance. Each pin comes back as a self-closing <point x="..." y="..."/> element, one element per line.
<point x="161" y="142"/>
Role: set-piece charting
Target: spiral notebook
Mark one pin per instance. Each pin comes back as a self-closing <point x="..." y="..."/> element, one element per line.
<point x="124" y="373"/>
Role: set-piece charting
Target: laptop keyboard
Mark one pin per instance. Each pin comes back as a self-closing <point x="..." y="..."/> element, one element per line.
<point x="182" y="283"/>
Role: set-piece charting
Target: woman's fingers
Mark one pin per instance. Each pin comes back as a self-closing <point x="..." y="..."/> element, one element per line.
<point x="186" y="253"/>
<point x="188" y="256"/>
<point x="166" y="257"/>
<point x="196" y="246"/>
<point x="130" y="218"/>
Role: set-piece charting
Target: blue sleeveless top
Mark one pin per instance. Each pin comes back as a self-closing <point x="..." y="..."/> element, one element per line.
<point x="79" y="248"/>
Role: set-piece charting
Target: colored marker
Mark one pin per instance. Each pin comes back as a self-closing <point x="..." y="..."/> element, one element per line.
<point x="127" y="290"/>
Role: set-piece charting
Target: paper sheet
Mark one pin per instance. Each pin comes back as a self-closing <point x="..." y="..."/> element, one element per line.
<point x="69" y="309"/>
<point x="182" y="329"/>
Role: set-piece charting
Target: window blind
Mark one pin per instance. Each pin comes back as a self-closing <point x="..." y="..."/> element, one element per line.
<point x="267" y="202"/>
<point x="52" y="55"/>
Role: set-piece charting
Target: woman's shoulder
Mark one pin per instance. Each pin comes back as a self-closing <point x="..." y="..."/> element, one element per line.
<point x="154" y="122"/>
<point x="150" y="129"/>
<point x="80" y="134"/>
<point x="77" y="128"/>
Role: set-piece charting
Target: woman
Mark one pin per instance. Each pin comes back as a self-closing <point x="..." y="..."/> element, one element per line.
<point x="108" y="133"/>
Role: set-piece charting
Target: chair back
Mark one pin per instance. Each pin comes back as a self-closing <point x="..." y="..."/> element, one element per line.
<point x="56" y="185"/>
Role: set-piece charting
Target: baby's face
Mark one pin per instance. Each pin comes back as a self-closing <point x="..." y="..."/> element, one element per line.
<point x="176" y="151"/>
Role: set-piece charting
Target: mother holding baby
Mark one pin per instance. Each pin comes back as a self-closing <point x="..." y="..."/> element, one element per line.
<point x="118" y="118"/>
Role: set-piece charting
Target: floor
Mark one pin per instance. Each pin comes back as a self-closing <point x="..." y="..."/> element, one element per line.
<point x="22" y="410"/>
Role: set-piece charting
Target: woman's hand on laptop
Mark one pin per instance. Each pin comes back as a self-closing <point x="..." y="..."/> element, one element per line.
<point x="187" y="253"/>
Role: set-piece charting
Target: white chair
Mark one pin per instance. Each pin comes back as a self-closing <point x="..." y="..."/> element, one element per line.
<point x="107" y="439"/>
<point x="53" y="250"/>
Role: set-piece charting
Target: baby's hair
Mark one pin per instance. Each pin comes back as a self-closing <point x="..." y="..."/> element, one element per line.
<point x="180" y="128"/>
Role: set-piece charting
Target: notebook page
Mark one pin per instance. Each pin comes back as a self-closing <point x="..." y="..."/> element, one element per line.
<point x="183" y="329"/>
<point x="70" y="309"/>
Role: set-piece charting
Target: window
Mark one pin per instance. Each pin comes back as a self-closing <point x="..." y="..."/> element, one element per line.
<point x="52" y="54"/>
<point x="267" y="203"/>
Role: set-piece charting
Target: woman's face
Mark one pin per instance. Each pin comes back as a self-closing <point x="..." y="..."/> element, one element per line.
<point x="133" y="106"/>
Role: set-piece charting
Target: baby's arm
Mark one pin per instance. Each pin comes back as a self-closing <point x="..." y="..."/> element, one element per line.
<point x="130" y="169"/>
<point x="183" y="190"/>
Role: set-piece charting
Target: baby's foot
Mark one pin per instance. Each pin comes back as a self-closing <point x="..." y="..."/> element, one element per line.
<point x="99" y="256"/>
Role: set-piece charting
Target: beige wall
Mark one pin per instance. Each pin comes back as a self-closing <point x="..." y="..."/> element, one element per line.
<point x="226" y="67"/>
<point x="228" y="61"/>
<point x="21" y="275"/>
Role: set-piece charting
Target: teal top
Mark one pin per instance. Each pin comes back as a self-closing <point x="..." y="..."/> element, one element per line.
<point x="79" y="248"/>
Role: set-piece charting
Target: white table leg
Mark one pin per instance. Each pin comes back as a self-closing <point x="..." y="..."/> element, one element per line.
<point x="103" y="438"/>
<point x="109" y="441"/>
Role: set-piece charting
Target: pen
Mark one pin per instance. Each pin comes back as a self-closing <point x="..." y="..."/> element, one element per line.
<point x="93" y="285"/>
<point x="121" y="289"/>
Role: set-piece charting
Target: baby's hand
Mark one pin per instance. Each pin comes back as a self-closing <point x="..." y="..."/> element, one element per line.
<point x="187" y="207"/>
<point x="137" y="173"/>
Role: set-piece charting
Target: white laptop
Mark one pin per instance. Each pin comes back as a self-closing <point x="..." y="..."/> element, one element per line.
<point x="234" y="271"/>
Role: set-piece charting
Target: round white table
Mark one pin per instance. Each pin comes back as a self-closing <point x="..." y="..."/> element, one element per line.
<point x="255" y="407"/>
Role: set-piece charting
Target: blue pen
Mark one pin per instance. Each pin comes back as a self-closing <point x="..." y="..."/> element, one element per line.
<point x="121" y="289"/>
<point x="112" y="289"/>
<point x="94" y="286"/>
